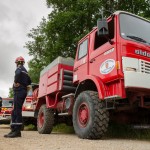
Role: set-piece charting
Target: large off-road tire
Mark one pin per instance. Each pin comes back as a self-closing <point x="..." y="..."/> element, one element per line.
<point x="45" y="120"/>
<point x="90" y="118"/>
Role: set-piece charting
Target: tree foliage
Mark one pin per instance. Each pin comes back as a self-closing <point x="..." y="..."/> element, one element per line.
<point x="11" y="93"/>
<point x="68" y="22"/>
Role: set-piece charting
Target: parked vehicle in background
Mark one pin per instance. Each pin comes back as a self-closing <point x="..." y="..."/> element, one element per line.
<point x="7" y="106"/>
<point x="29" y="105"/>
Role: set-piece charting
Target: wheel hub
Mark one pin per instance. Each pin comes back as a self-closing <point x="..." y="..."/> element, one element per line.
<point x="83" y="114"/>
<point x="41" y="120"/>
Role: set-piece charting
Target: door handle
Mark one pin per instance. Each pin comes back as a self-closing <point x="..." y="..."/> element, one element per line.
<point x="92" y="60"/>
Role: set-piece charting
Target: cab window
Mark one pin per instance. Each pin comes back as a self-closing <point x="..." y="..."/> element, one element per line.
<point x="83" y="48"/>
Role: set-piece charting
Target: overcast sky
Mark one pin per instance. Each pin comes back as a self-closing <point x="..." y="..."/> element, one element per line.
<point x="17" y="18"/>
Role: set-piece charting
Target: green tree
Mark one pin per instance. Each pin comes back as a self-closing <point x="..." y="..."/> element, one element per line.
<point x="69" y="21"/>
<point x="11" y="93"/>
<point x="37" y="50"/>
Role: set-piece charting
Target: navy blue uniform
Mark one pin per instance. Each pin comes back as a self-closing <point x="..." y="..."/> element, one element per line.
<point x="0" y="103"/>
<point x="21" y="81"/>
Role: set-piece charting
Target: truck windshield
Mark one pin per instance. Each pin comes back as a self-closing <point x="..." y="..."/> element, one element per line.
<point x="7" y="103"/>
<point x="30" y="91"/>
<point x="134" y="28"/>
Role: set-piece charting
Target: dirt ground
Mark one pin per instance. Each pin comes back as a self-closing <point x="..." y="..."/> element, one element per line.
<point x="32" y="140"/>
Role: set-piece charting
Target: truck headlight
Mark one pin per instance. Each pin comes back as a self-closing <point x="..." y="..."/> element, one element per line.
<point x="130" y="69"/>
<point x="28" y="107"/>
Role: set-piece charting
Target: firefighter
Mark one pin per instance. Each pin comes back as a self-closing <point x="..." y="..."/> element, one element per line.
<point x="21" y="81"/>
<point x="0" y="103"/>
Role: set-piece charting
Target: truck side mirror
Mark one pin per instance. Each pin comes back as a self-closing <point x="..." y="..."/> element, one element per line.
<point x="102" y="26"/>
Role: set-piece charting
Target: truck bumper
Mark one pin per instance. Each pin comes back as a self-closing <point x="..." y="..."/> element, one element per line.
<point x="5" y="118"/>
<point x="27" y="114"/>
<point x="136" y="80"/>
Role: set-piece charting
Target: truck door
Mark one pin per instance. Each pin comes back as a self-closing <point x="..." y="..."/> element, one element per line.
<point x="81" y="63"/>
<point x="43" y="85"/>
<point x="103" y="55"/>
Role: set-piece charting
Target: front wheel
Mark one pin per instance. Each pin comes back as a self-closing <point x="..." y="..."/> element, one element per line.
<point x="45" y="120"/>
<point x="90" y="118"/>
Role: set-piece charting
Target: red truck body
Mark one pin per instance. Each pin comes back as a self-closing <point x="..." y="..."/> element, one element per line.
<point x="111" y="71"/>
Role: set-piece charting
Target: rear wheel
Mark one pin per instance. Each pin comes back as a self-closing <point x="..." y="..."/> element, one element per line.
<point x="90" y="118"/>
<point x="45" y="120"/>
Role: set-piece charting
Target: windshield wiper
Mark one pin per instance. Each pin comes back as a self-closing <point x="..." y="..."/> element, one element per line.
<point x="136" y="38"/>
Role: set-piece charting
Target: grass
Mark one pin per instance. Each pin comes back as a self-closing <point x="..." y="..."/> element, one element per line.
<point x="30" y="127"/>
<point x="63" y="128"/>
<point x="118" y="131"/>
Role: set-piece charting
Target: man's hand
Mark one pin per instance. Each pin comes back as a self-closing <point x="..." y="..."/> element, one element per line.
<point x="16" y="84"/>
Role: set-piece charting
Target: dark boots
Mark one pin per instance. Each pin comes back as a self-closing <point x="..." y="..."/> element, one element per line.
<point x="13" y="134"/>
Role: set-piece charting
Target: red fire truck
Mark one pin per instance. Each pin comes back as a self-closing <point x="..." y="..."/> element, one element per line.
<point x="6" y="109"/>
<point x="29" y="105"/>
<point x="108" y="80"/>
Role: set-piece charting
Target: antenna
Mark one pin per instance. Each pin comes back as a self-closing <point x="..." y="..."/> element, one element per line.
<point x="133" y="6"/>
<point x="101" y="11"/>
<point x="110" y="7"/>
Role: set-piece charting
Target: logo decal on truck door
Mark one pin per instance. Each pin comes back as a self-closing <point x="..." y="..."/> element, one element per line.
<point x="107" y="66"/>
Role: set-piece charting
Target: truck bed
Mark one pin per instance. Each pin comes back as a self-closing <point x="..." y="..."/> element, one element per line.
<point x="57" y="76"/>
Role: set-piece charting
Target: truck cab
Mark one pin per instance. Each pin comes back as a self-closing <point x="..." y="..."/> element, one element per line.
<point x="30" y="104"/>
<point x="6" y="109"/>
<point x="31" y="98"/>
<point x="118" y="67"/>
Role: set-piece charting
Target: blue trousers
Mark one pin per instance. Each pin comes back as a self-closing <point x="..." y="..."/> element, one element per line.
<point x="16" y="116"/>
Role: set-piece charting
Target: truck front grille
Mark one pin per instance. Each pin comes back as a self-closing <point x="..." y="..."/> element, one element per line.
<point x="144" y="66"/>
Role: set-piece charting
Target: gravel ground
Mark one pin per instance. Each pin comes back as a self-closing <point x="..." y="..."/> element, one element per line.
<point x="32" y="140"/>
